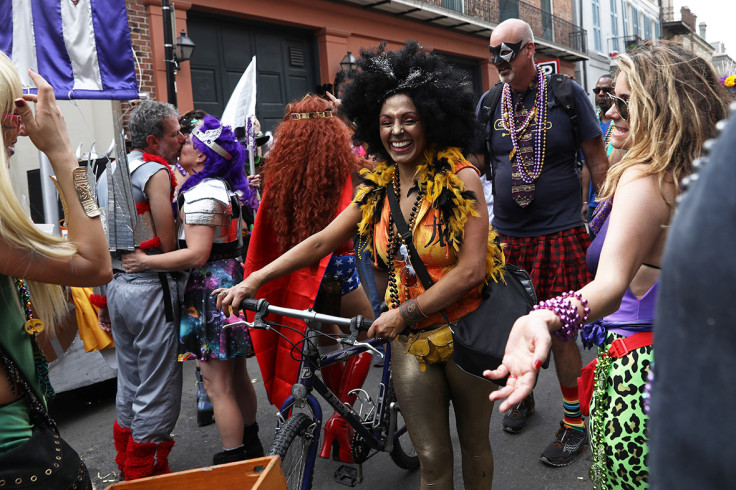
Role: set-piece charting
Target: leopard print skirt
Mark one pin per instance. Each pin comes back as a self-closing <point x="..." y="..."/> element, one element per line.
<point x="624" y="435"/>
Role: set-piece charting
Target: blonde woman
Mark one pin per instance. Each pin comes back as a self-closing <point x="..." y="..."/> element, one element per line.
<point x="666" y="104"/>
<point x="33" y="264"/>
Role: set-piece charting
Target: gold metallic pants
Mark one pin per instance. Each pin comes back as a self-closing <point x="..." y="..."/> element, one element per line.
<point x="424" y="398"/>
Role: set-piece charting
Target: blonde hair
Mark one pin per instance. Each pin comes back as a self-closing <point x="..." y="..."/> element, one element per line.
<point x="16" y="228"/>
<point x="676" y="100"/>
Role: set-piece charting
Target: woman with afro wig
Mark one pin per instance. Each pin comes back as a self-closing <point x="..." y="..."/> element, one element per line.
<point x="307" y="182"/>
<point x="415" y="113"/>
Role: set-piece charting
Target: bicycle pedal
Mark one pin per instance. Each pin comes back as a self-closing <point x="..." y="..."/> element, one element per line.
<point x="346" y="475"/>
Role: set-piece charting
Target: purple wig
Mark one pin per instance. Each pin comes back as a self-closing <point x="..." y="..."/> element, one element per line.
<point x="231" y="170"/>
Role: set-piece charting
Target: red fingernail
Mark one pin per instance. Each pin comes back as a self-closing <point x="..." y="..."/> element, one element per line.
<point x="537" y="364"/>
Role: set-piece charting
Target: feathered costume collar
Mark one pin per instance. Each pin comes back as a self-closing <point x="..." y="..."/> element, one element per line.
<point x="436" y="177"/>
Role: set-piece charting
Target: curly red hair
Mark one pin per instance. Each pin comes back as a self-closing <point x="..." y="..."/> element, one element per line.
<point x="305" y="172"/>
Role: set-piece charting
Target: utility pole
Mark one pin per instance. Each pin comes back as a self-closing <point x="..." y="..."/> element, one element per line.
<point x="169" y="53"/>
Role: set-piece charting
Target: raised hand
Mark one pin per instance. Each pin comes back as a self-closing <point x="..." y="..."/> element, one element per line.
<point x="46" y="128"/>
<point x="526" y="350"/>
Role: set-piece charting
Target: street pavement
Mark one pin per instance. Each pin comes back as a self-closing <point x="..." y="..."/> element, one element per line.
<point x="85" y="417"/>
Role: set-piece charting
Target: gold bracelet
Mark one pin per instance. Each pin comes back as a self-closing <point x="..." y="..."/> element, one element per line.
<point x="84" y="192"/>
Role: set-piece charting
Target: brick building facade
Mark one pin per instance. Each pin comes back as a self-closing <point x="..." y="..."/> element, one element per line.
<point x="348" y="25"/>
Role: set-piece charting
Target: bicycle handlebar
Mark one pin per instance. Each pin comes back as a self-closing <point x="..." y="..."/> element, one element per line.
<point x="261" y="305"/>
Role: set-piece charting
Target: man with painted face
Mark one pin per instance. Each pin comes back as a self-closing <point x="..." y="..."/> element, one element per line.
<point x="532" y="143"/>
<point x="602" y="89"/>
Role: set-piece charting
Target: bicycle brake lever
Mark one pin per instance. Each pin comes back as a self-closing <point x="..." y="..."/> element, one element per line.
<point x="254" y="324"/>
<point x="240" y="323"/>
<point x="363" y="344"/>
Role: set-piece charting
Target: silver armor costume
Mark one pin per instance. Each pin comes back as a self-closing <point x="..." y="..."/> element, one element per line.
<point x="149" y="376"/>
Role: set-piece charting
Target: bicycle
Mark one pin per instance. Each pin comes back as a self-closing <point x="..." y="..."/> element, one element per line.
<point x="378" y="428"/>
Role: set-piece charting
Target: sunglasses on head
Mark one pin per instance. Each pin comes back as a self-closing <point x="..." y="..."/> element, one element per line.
<point x="598" y="90"/>
<point x="505" y="52"/>
<point x="622" y="105"/>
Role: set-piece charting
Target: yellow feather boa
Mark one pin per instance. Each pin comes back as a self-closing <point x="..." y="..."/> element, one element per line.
<point x="436" y="177"/>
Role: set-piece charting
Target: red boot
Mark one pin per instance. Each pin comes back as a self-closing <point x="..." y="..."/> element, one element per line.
<point x="141" y="460"/>
<point x="161" y="466"/>
<point x="121" y="437"/>
<point x="336" y="429"/>
<point x="332" y="375"/>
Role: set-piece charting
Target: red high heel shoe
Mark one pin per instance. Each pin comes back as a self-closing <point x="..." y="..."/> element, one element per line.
<point x="336" y="430"/>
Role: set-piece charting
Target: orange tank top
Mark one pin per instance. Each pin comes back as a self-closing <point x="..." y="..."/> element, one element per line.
<point x="429" y="235"/>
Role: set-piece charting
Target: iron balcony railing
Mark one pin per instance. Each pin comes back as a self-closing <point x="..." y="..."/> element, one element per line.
<point x="544" y="24"/>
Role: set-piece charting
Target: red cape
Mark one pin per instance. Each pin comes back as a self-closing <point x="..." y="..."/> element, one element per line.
<point x="278" y="362"/>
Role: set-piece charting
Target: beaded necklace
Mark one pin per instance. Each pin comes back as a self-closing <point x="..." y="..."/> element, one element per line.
<point x="395" y="240"/>
<point x="181" y="169"/>
<point x="539" y="112"/>
<point x="33" y="326"/>
<point x="598" y="471"/>
<point x="609" y="129"/>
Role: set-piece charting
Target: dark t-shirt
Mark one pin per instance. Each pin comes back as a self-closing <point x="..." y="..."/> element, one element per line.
<point x="557" y="202"/>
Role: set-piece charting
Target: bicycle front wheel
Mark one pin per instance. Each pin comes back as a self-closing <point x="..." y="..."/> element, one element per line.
<point x="292" y="443"/>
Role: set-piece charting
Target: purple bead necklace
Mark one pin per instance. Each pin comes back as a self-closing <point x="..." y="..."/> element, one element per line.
<point x="539" y="112"/>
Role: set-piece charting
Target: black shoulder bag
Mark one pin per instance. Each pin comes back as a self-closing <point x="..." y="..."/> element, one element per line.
<point x="45" y="460"/>
<point x="480" y="336"/>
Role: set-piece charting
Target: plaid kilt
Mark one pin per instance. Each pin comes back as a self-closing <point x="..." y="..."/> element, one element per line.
<point x="556" y="262"/>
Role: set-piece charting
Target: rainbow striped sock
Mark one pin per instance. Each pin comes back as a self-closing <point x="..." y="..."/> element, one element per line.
<point x="571" y="405"/>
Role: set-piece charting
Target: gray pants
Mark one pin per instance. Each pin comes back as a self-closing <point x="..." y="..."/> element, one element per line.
<point x="149" y="374"/>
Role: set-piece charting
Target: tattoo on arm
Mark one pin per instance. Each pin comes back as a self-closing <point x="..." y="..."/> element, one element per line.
<point x="410" y="312"/>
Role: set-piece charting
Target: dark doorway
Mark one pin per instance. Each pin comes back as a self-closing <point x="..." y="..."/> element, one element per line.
<point x="470" y="68"/>
<point x="285" y="58"/>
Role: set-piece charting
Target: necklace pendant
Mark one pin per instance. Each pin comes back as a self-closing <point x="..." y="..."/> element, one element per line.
<point x="33" y="326"/>
<point x="511" y="155"/>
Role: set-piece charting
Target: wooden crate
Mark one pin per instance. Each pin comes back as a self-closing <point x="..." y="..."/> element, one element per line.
<point x="256" y="474"/>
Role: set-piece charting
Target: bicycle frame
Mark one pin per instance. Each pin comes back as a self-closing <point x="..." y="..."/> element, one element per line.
<point x="310" y="382"/>
<point x="380" y="435"/>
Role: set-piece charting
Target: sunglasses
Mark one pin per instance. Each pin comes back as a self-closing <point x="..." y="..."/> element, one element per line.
<point x="622" y="106"/>
<point x="408" y="274"/>
<point x="607" y="90"/>
<point x="11" y="121"/>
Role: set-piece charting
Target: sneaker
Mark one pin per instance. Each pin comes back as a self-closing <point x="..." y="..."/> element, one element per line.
<point x="568" y="444"/>
<point x="515" y="419"/>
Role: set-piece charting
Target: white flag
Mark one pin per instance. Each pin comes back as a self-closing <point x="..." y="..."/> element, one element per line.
<point x="242" y="103"/>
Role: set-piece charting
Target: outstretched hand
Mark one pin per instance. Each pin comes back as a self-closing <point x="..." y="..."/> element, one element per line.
<point x="46" y="128"/>
<point x="526" y="350"/>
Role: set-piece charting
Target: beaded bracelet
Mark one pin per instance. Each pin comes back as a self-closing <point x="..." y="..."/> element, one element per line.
<point x="567" y="312"/>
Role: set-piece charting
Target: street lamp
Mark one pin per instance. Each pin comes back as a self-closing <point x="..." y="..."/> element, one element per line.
<point x="184" y="47"/>
<point x="347" y="65"/>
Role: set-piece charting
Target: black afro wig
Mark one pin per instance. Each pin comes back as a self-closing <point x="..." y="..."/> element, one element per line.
<point x="441" y="94"/>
